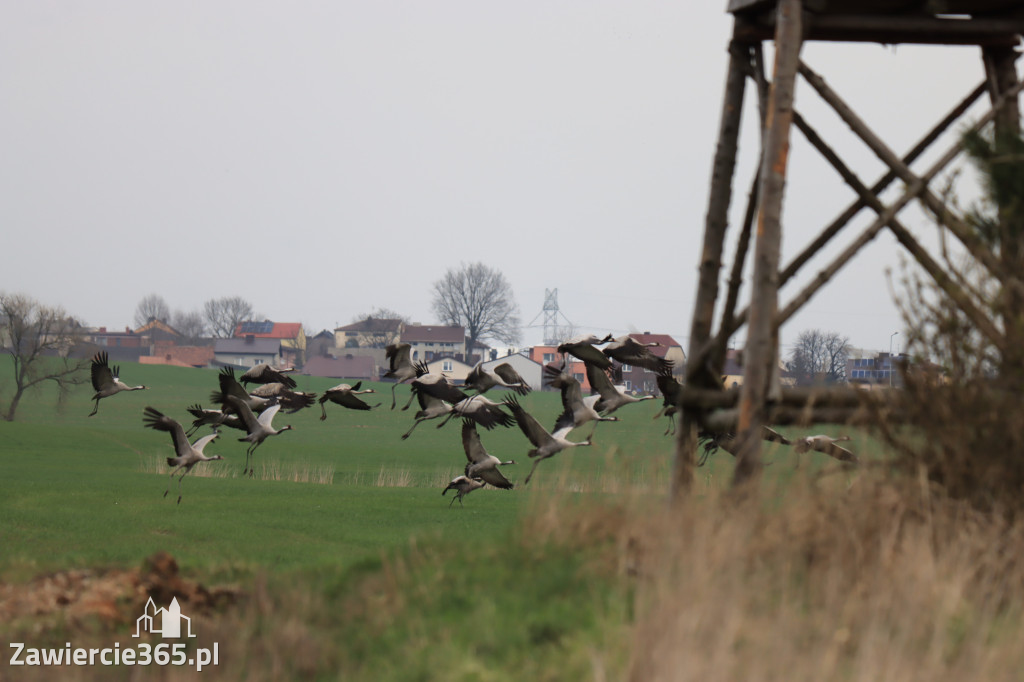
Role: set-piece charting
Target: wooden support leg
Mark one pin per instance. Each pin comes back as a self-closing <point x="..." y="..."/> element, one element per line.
<point x="762" y="340"/>
<point x="715" y="225"/>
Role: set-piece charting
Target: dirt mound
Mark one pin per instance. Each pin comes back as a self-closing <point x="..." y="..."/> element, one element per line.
<point x="114" y="596"/>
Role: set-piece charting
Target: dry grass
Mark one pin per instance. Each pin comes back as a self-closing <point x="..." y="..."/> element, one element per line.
<point x="832" y="578"/>
<point x="298" y="471"/>
<point x="387" y="477"/>
<point x="273" y="470"/>
<point x="878" y="576"/>
<point x="880" y="581"/>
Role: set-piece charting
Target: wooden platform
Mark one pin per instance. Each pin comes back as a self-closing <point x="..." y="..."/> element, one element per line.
<point x="926" y="22"/>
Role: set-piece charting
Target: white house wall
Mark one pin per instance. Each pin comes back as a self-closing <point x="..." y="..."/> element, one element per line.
<point x="531" y="371"/>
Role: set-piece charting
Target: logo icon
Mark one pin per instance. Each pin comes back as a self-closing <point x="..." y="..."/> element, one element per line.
<point x="170" y="620"/>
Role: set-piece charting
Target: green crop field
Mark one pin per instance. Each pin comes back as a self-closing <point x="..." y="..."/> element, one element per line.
<point x="337" y="506"/>
<point x="84" y="490"/>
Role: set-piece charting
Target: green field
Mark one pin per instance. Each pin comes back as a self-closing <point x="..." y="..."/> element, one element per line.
<point x="339" y="512"/>
<point x="82" y="491"/>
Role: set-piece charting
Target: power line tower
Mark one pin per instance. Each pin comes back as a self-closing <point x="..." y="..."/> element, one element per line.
<point x="552" y="331"/>
<point x="550" y="316"/>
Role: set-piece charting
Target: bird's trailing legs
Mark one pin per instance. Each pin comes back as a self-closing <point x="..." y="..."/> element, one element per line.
<point x="179" y="482"/>
<point x="249" y="469"/>
<point x="412" y="394"/>
<point x="409" y="432"/>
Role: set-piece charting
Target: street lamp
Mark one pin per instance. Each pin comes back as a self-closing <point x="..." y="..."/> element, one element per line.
<point x="890" y="357"/>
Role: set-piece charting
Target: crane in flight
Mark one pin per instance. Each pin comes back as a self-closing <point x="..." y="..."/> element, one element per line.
<point x="827" y="445"/>
<point x="504" y="375"/>
<point x="576" y="410"/>
<point x="480" y="463"/>
<point x="346" y="396"/>
<point x="188" y="454"/>
<point x="263" y="373"/>
<point x="106" y="380"/>
<point x="258" y="428"/>
<point x="629" y="351"/>
<point x="401" y="367"/>
<point x="584" y="348"/>
<point x="544" y="444"/>
<point x="462" y="485"/>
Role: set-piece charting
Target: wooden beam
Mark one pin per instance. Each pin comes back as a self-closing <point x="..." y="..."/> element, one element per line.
<point x="717" y="218"/>
<point x="791" y="396"/>
<point x="833" y="228"/>
<point x="727" y="324"/>
<point x="1001" y="72"/>
<point x="913" y="189"/>
<point x="747" y="5"/>
<point x="881" y="184"/>
<point x="938" y="274"/>
<point x="727" y="420"/>
<point x="888" y="6"/>
<point x="715" y="224"/>
<point x="963" y="232"/>
<point x="762" y="340"/>
<point x="891" y="29"/>
<point x="721" y="341"/>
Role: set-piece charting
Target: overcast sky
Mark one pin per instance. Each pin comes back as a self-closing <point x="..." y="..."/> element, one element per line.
<point x="321" y="159"/>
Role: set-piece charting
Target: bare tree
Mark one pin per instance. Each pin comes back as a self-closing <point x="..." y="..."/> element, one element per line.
<point x="190" y="325"/>
<point x="819" y="357"/>
<point x="480" y="299"/>
<point x="380" y="331"/>
<point x="38" y="338"/>
<point x="224" y="314"/>
<point x="152" y="307"/>
<point x="562" y="332"/>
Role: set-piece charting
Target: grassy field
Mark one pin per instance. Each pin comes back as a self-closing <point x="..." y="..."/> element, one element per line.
<point x="345" y="562"/>
<point x="331" y="500"/>
<point x="83" y="491"/>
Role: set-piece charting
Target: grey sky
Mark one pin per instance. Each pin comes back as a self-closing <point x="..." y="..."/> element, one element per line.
<point x="321" y="159"/>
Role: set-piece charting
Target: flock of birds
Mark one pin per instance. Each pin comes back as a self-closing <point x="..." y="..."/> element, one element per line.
<point x="253" y="411"/>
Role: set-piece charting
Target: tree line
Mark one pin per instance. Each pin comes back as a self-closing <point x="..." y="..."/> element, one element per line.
<point x="38" y="336"/>
<point x="218" y="318"/>
<point x="474" y="296"/>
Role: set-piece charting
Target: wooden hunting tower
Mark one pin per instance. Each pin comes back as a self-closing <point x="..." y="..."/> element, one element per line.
<point x="994" y="26"/>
